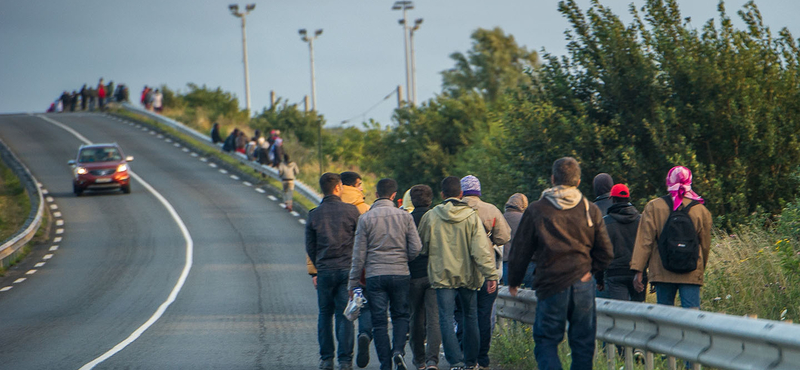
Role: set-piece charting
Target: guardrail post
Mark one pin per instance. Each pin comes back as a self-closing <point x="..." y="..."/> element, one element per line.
<point x="611" y="356"/>
<point x="671" y="363"/>
<point x="649" y="361"/>
<point x="628" y="357"/>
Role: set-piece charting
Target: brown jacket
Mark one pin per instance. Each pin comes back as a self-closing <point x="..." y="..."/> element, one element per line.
<point x="645" y="251"/>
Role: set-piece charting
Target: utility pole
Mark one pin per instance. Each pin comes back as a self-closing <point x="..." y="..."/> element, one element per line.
<point x="417" y="23"/>
<point x="405" y="6"/>
<point x="310" y="40"/>
<point x="243" y="15"/>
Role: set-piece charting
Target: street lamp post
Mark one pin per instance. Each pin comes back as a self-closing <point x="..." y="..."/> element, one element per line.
<point x="310" y="40"/>
<point x="417" y="23"/>
<point x="405" y="6"/>
<point x="236" y="13"/>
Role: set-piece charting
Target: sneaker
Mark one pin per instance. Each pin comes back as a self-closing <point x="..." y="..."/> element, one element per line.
<point x="432" y="367"/>
<point x="362" y="354"/>
<point x="326" y="365"/>
<point x="399" y="362"/>
<point x="345" y="366"/>
<point x="457" y="368"/>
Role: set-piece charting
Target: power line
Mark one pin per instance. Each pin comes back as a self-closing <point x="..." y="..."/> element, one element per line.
<point x="364" y="114"/>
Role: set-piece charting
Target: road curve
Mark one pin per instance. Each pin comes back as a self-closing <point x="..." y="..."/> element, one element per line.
<point x="246" y="304"/>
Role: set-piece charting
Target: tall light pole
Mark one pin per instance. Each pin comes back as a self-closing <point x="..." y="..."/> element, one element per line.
<point x="310" y="40"/>
<point x="405" y="6"/>
<point x="417" y="23"/>
<point x="243" y="15"/>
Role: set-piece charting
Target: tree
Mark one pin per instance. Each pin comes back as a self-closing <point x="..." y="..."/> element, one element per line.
<point x="495" y="63"/>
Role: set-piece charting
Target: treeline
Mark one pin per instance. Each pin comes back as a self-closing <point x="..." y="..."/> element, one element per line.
<point x="631" y="100"/>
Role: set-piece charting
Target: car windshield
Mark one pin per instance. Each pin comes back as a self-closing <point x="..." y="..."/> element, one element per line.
<point x="106" y="154"/>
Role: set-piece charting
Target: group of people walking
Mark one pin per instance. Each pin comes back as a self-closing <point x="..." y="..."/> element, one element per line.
<point x="435" y="269"/>
<point x="89" y="98"/>
<point x="152" y="99"/>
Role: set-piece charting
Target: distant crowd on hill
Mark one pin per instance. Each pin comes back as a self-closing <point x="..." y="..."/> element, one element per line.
<point x="89" y="98"/>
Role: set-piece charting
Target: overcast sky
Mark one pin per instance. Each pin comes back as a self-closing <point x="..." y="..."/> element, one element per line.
<point x="49" y="46"/>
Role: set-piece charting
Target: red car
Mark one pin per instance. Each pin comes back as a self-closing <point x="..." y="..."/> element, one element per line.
<point x="100" y="166"/>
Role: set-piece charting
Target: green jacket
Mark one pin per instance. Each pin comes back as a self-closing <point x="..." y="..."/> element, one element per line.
<point x="455" y="241"/>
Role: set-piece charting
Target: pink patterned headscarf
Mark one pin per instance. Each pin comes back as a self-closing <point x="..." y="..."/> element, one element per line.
<point x="679" y="185"/>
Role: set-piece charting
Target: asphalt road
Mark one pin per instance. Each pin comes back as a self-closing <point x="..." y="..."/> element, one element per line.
<point x="247" y="302"/>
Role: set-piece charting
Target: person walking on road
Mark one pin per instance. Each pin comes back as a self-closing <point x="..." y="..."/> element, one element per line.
<point x="84" y="97"/>
<point x="215" y="135"/>
<point x="353" y="193"/>
<point x="602" y="184"/>
<point x="386" y="240"/>
<point x="330" y="233"/>
<point x="496" y="227"/>
<point x="622" y="223"/>
<point x="515" y="206"/>
<point x="648" y="247"/>
<point x="288" y="171"/>
<point x="421" y="296"/>
<point x="460" y="261"/>
<point x="566" y="235"/>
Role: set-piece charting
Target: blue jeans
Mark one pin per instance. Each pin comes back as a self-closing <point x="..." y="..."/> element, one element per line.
<point x="332" y="297"/>
<point x="446" y="298"/>
<point x="576" y="305"/>
<point x="389" y="291"/>
<point x="485" y="303"/>
<point x="690" y="294"/>
<point x="365" y="317"/>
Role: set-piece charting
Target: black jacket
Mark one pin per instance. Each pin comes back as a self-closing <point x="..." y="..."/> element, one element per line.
<point x="330" y="233"/>
<point x="622" y="222"/>
<point x="419" y="266"/>
<point x="604" y="202"/>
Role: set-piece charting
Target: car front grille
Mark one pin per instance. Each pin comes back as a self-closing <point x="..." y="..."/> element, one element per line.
<point x="103" y="172"/>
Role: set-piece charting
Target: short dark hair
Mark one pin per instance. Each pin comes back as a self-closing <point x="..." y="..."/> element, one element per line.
<point x="349" y="178"/>
<point x="616" y="200"/>
<point x="451" y="187"/>
<point x="286" y="159"/>
<point x="328" y="182"/>
<point x="421" y="195"/>
<point x="386" y="187"/>
<point x="566" y="171"/>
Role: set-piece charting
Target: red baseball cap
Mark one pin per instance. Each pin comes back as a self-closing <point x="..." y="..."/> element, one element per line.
<point x="620" y="191"/>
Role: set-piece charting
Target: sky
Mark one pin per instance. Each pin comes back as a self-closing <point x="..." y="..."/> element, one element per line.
<point x="49" y="46"/>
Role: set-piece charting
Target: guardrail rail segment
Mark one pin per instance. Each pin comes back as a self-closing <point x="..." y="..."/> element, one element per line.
<point x="301" y="188"/>
<point x="703" y="338"/>
<point x="12" y="246"/>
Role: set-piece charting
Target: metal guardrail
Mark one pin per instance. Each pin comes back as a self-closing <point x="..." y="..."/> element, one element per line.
<point x="11" y="246"/>
<point x="301" y="188"/>
<point x="706" y="338"/>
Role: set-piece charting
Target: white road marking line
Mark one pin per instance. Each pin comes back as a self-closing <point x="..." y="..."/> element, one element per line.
<point x="30" y="272"/>
<point x="47" y="256"/>
<point x="59" y="222"/>
<point x="5" y="289"/>
<point x="152" y="132"/>
<point x="49" y="199"/>
<point x="181" y="280"/>
<point x="203" y="159"/>
<point x="177" y="145"/>
<point x="53" y="248"/>
<point x="160" y="136"/>
<point x="40" y="264"/>
<point x="168" y="140"/>
<point x="295" y="214"/>
<point x="235" y="177"/>
<point x="54" y="206"/>
<point x="260" y="190"/>
<point x="247" y="183"/>
<point x="39" y="184"/>
<point x="145" y="128"/>
<point x="272" y="198"/>
<point x="185" y="150"/>
<point x="193" y="154"/>
<point x="59" y="231"/>
<point x="56" y="214"/>
<point x="283" y="205"/>
<point x="302" y="221"/>
<point x="223" y="171"/>
<point x="57" y="239"/>
<point x="212" y="164"/>
<point x="20" y="280"/>
<point x="45" y="192"/>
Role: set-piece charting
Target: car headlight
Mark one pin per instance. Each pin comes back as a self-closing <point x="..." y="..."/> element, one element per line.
<point x="123" y="167"/>
<point x="81" y="170"/>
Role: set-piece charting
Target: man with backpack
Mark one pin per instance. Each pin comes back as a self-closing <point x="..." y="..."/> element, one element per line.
<point x="673" y="242"/>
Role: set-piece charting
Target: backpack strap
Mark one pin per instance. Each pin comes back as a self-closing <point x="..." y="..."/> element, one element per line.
<point x="668" y="200"/>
